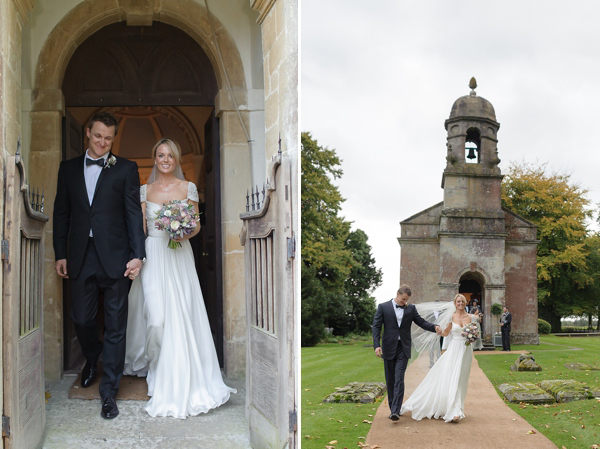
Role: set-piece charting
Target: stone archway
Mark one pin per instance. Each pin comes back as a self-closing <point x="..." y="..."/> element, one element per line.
<point x="48" y="110"/>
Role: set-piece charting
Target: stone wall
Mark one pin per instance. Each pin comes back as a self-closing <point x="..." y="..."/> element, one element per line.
<point x="13" y="16"/>
<point x="521" y="292"/>
<point x="417" y="270"/>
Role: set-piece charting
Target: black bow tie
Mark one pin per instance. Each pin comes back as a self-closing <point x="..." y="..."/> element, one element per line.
<point x="89" y="161"/>
<point x="400" y="307"/>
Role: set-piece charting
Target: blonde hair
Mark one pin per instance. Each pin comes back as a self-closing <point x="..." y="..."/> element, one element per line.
<point x="173" y="147"/>
<point x="459" y="296"/>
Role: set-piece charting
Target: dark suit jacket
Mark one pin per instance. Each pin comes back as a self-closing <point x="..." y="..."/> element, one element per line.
<point x="386" y="315"/>
<point x="507" y="321"/>
<point x="115" y="216"/>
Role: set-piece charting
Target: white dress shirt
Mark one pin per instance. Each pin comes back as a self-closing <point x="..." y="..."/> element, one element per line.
<point x="91" y="174"/>
<point x="399" y="314"/>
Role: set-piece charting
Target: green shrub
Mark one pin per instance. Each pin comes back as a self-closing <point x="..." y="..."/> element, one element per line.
<point x="496" y="309"/>
<point x="543" y="326"/>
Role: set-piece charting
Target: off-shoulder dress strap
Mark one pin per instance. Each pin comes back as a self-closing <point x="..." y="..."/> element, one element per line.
<point x="192" y="192"/>
<point x="143" y="193"/>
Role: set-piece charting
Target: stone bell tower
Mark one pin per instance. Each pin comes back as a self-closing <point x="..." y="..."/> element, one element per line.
<point x="469" y="243"/>
<point x="472" y="219"/>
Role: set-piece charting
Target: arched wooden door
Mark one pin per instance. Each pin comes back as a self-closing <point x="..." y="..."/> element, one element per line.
<point x="159" y="82"/>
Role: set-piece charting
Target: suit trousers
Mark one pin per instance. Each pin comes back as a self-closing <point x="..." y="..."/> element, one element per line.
<point x="84" y="290"/>
<point x="505" y="339"/>
<point x="394" y="378"/>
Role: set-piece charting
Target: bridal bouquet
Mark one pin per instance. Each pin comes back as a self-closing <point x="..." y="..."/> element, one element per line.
<point x="470" y="332"/>
<point x="178" y="219"/>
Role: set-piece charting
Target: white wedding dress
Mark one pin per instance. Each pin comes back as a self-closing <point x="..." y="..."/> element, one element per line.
<point x="168" y="334"/>
<point x="442" y="393"/>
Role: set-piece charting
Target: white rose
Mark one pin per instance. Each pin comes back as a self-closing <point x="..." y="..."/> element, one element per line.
<point x="167" y="213"/>
<point x="175" y="225"/>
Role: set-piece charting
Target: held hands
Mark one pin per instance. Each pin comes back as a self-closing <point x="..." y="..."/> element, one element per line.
<point x="133" y="268"/>
<point x="378" y="352"/>
<point x="438" y="330"/>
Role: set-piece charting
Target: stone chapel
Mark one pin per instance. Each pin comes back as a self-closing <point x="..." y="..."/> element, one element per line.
<point x="469" y="243"/>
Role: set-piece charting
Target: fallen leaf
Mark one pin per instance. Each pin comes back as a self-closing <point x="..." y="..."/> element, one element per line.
<point x="573" y="437"/>
<point x="332" y="442"/>
<point x="367" y="421"/>
<point x="530" y="432"/>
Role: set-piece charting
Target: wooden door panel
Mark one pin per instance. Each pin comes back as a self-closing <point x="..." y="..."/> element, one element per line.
<point x="22" y="347"/>
<point x="73" y="146"/>
<point x="210" y="259"/>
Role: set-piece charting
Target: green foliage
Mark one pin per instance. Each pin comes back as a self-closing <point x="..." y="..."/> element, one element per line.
<point x="572" y="424"/>
<point x="543" y="326"/>
<point x="312" y="309"/>
<point x="340" y="260"/>
<point x="559" y="209"/>
<point x="364" y="277"/>
<point x="324" y="232"/>
<point x="325" y="367"/>
<point x="496" y="309"/>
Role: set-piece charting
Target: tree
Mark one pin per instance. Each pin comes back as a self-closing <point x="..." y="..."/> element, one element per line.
<point x="558" y="207"/>
<point x="313" y="305"/>
<point x="588" y="301"/>
<point x="338" y="259"/>
<point x="324" y="232"/>
<point x="363" y="279"/>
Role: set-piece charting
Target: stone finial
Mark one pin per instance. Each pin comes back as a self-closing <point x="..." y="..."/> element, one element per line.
<point x="473" y="85"/>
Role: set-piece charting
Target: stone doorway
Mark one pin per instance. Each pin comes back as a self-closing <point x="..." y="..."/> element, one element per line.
<point x="471" y="286"/>
<point x="159" y="83"/>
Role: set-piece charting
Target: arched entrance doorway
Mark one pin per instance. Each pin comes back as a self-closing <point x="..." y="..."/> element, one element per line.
<point x="160" y="83"/>
<point x="471" y="285"/>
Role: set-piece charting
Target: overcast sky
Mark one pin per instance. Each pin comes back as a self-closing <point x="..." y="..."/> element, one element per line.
<point x="379" y="78"/>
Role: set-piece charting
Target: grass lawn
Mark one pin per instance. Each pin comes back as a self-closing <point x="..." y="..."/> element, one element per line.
<point x="573" y="424"/>
<point x="325" y="367"/>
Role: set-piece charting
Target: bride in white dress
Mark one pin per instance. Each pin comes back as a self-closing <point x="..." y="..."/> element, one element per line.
<point x="442" y="392"/>
<point x="168" y="334"/>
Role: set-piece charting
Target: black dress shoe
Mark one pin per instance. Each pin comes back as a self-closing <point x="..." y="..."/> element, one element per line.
<point x="88" y="375"/>
<point x="109" y="408"/>
<point x="394" y="417"/>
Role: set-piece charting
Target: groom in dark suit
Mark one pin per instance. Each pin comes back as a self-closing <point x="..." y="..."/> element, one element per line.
<point x="98" y="236"/>
<point x="397" y="317"/>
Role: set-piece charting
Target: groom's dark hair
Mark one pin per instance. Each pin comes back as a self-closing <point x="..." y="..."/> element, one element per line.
<point x="404" y="289"/>
<point x="106" y="118"/>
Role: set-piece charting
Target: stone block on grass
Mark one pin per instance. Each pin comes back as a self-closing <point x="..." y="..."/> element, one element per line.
<point x="525" y="392"/>
<point x="525" y="363"/>
<point x="357" y="392"/>
<point x="569" y="390"/>
<point x="582" y="367"/>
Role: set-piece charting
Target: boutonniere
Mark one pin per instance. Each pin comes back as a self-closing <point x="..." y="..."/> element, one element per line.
<point x="110" y="161"/>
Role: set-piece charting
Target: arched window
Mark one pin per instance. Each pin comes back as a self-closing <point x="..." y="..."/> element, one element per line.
<point x="473" y="146"/>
